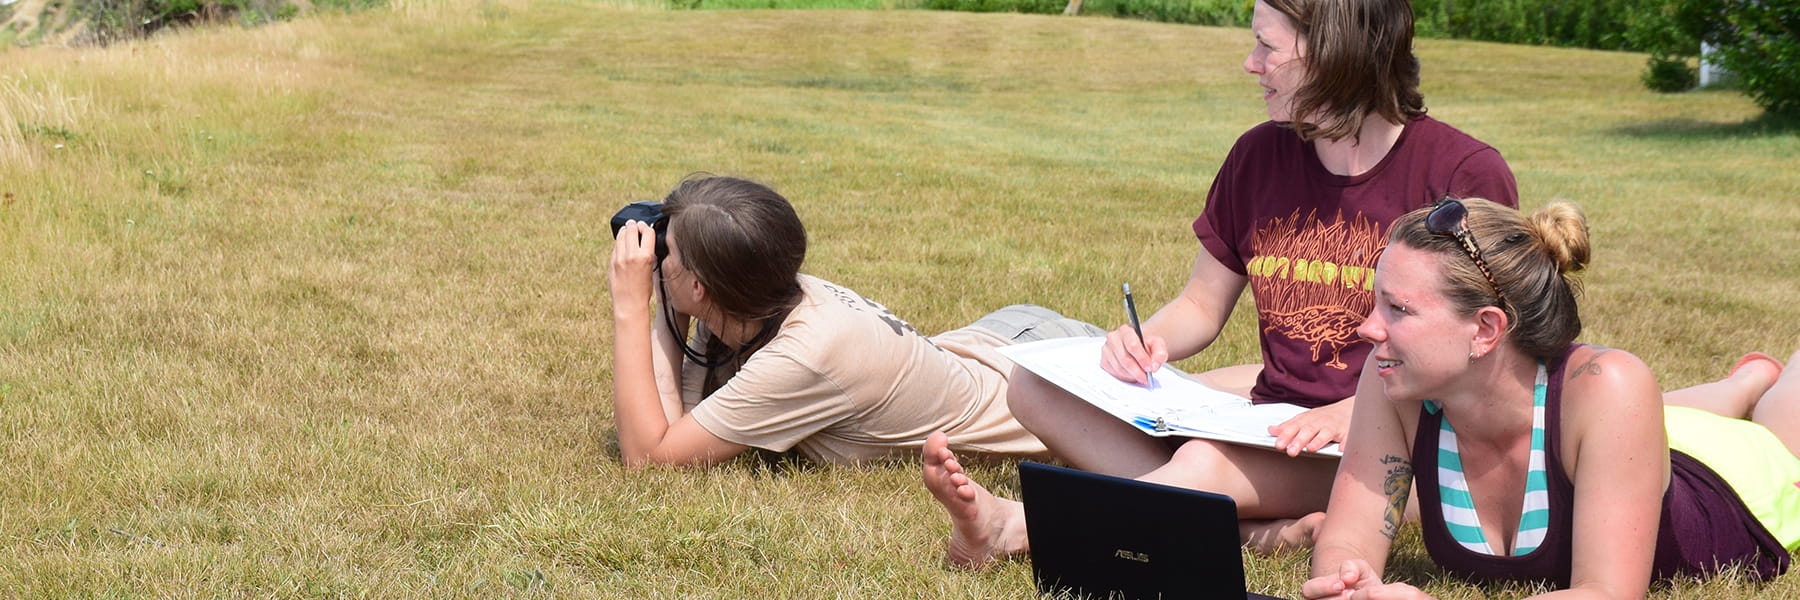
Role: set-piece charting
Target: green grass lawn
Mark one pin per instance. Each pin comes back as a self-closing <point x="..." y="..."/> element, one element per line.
<point x="319" y="309"/>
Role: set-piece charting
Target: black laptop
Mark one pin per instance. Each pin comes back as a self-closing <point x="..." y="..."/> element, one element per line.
<point x="1107" y="537"/>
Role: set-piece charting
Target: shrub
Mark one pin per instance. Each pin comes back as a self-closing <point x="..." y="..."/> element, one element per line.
<point x="1232" y="13"/>
<point x="1670" y="74"/>
<point x="1597" y="24"/>
<point x="1225" y="13"/>
<point x="1042" y="7"/>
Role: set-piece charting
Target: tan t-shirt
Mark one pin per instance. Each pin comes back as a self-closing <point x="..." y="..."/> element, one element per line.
<point x="844" y="380"/>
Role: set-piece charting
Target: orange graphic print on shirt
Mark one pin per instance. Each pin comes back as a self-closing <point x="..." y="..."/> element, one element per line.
<point x="1314" y="281"/>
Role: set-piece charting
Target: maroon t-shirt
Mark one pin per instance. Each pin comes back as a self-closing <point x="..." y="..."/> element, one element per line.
<point x="1308" y="240"/>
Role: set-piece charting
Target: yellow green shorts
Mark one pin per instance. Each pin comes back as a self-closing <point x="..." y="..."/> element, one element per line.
<point x="1765" y="475"/>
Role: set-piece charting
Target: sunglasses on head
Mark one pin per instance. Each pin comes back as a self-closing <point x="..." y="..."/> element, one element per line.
<point x="1450" y="217"/>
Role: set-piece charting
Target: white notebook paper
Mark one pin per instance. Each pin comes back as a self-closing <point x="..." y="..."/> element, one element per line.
<point x="1174" y="404"/>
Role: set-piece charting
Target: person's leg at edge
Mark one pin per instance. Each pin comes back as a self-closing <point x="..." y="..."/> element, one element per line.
<point x="1237" y="379"/>
<point x="983" y="527"/>
<point x="1267" y="536"/>
<point x="1280" y="507"/>
<point x="1779" y="408"/>
<point x="1736" y="395"/>
<point x="1080" y="434"/>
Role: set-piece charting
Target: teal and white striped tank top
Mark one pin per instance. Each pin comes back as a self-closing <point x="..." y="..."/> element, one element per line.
<point x="1459" y="506"/>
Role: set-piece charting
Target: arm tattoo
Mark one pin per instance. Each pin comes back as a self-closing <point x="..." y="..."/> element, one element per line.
<point x="1592" y="366"/>
<point x="1397" y="486"/>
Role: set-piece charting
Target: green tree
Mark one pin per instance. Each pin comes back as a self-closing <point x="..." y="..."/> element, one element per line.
<point x="1758" y="40"/>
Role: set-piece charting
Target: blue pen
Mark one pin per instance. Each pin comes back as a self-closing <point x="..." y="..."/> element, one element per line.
<point x="1131" y="313"/>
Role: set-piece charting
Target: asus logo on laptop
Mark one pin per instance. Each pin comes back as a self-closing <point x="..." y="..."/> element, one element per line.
<point x="1142" y="557"/>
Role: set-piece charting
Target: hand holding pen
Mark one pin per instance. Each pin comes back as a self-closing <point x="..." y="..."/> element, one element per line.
<point x="1130" y="354"/>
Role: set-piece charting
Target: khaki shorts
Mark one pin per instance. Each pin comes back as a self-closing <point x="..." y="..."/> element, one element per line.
<point x="1022" y="323"/>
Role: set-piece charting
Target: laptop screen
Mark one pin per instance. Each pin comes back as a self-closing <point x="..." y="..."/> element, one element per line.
<point x="1102" y="536"/>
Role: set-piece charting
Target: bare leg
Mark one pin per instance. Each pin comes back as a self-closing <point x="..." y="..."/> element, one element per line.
<point x="1078" y="433"/>
<point x="982" y="527"/>
<point x="1277" y="504"/>
<point x="1277" y="535"/>
<point x="1237" y="379"/>
<point x="1735" y="395"/>
<point x="1779" y="408"/>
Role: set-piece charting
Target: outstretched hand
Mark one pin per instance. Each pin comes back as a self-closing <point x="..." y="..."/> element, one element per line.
<point x="1314" y="429"/>
<point x="1357" y="580"/>
<point x="1126" y="358"/>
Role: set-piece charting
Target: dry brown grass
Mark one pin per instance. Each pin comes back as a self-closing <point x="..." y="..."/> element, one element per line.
<point x="317" y="309"/>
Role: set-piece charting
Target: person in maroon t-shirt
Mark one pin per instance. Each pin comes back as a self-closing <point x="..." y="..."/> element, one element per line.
<point x="1298" y="213"/>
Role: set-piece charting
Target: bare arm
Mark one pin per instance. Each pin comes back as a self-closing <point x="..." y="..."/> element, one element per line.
<point x="651" y="430"/>
<point x="1368" y="497"/>
<point x="1617" y="453"/>
<point x="1180" y="329"/>
<point x="1193" y="320"/>
<point x="1190" y="323"/>
<point x="666" y="363"/>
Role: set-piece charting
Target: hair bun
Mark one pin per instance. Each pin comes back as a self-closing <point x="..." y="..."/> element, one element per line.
<point x="1562" y="233"/>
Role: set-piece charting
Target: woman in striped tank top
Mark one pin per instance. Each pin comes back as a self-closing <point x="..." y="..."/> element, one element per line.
<point x="1537" y="458"/>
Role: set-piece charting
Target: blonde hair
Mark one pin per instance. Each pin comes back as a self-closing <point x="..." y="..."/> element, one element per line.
<point x="1533" y="260"/>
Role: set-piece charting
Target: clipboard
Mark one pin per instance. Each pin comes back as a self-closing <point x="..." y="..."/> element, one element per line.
<point x="1175" y="404"/>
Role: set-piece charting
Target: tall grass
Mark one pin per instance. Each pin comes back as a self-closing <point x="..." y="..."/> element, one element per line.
<point x="33" y="111"/>
<point x="319" y="309"/>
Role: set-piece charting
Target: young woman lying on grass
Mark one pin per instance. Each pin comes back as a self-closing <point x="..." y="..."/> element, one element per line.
<point x="782" y="360"/>
<point x="1297" y="213"/>
<point x="1537" y="458"/>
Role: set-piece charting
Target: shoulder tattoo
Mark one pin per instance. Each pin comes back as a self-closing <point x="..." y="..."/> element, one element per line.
<point x="1592" y="366"/>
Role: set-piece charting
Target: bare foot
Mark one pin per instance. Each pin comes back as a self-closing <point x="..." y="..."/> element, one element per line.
<point x="1269" y="537"/>
<point x="1757" y="367"/>
<point x="982" y="526"/>
<point x="1753" y="375"/>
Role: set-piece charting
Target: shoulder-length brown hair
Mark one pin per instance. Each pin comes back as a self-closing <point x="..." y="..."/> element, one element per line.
<point x="1359" y="62"/>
